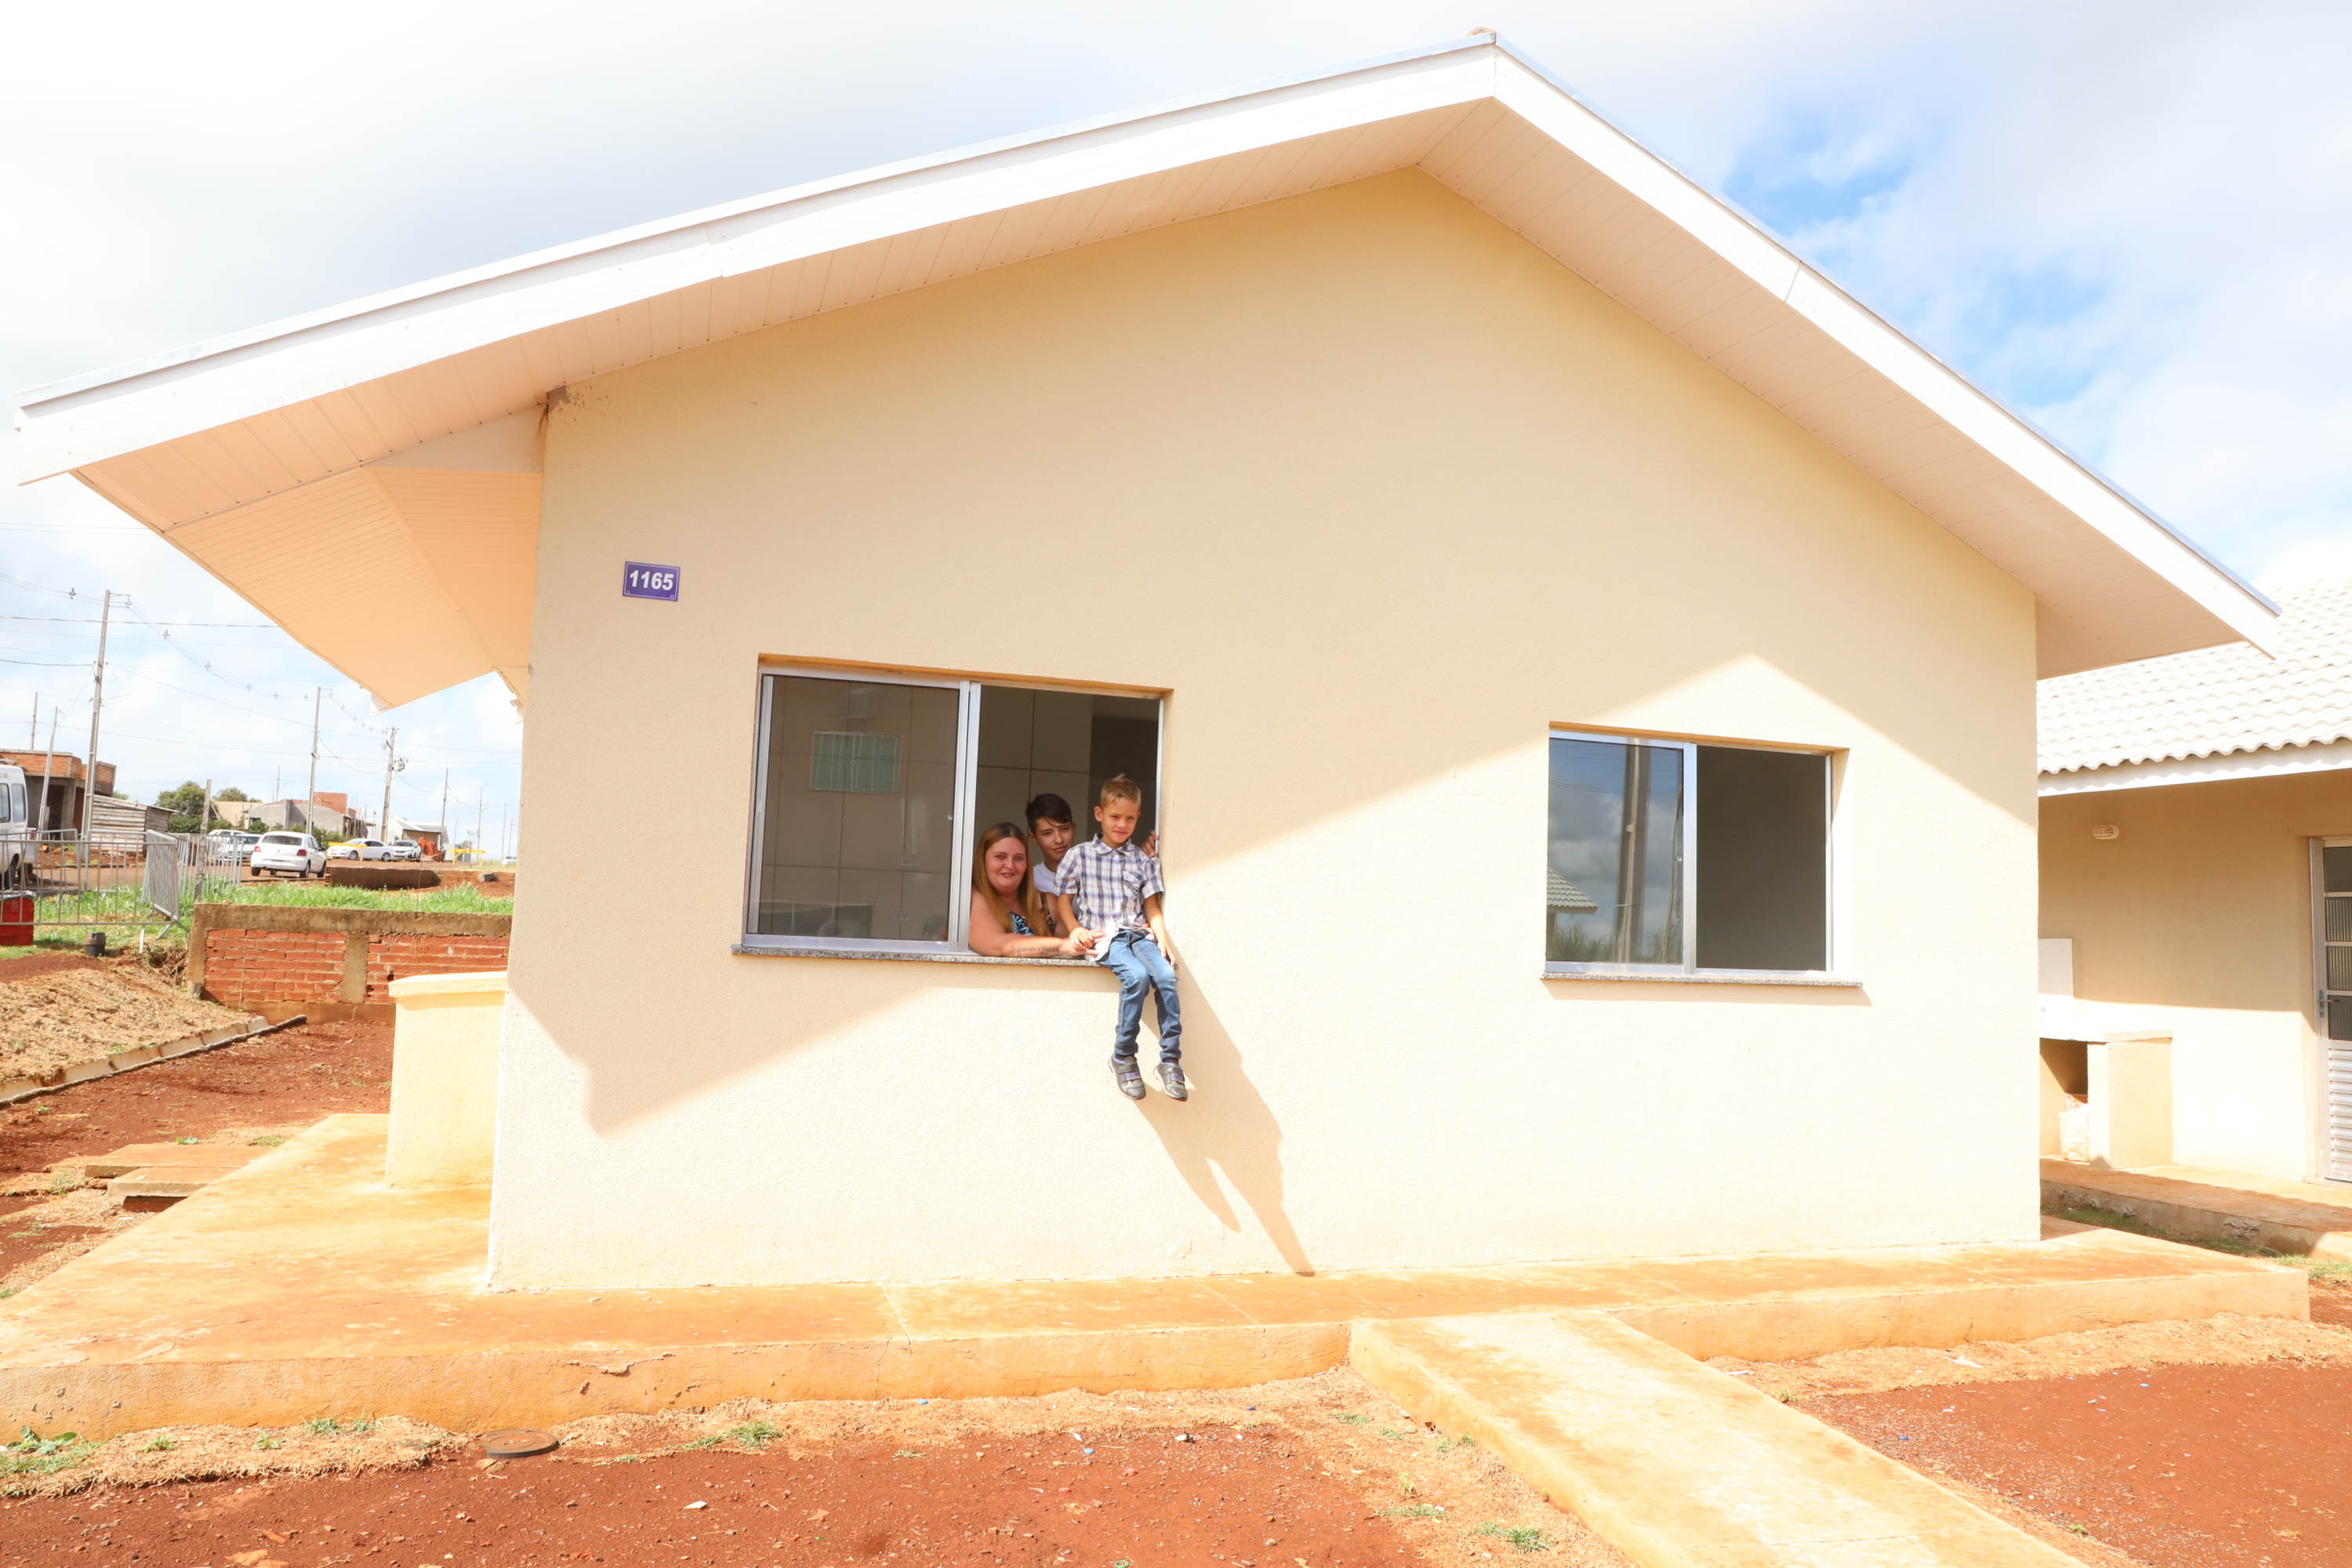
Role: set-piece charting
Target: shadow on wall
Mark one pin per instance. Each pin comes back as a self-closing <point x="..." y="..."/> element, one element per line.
<point x="1226" y="1126"/>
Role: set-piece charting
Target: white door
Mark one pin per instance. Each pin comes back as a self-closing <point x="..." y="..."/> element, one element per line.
<point x="2332" y="952"/>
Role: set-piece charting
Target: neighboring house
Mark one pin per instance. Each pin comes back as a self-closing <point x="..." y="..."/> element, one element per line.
<point x="2196" y="851"/>
<point x="63" y="776"/>
<point x="114" y="817"/>
<point x="325" y="815"/>
<point x="1422" y="489"/>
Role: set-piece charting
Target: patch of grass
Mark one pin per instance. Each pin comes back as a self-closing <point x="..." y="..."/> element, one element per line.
<point x="1352" y="1419"/>
<point x="266" y="1441"/>
<point x="322" y="1425"/>
<point x="1523" y="1538"/>
<point x="267" y="1141"/>
<point x="159" y="1446"/>
<point x="1414" y="1510"/>
<point x="1393" y="1435"/>
<point x="754" y="1435"/>
<point x="34" y="1455"/>
<point x="906" y="1454"/>
<point x="1463" y="1440"/>
<point x="185" y="1140"/>
<point x="710" y="1442"/>
<point x="63" y="1182"/>
<point x="465" y="898"/>
<point x="10" y="1291"/>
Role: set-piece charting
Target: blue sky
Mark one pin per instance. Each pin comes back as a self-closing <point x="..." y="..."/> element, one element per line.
<point x="2136" y="227"/>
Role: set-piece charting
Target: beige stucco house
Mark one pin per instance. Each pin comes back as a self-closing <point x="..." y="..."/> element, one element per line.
<point x="1437" y="500"/>
<point x="2197" y="876"/>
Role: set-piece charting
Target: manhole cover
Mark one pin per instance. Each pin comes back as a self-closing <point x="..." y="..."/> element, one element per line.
<point x="518" y="1443"/>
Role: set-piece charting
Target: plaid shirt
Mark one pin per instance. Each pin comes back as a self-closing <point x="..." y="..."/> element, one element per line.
<point x="1107" y="886"/>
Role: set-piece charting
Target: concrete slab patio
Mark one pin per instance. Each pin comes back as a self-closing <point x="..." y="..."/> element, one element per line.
<point x="302" y="1285"/>
<point x="2212" y="1205"/>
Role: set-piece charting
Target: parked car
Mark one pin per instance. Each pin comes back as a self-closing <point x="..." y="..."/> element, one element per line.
<point x="229" y="847"/>
<point x="405" y="849"/>
<point x="16" y="829"/>
<point x="279" y="853"/>
<point x="360" y="849"/>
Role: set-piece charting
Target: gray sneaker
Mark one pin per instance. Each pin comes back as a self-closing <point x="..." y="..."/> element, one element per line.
<point x="1123" y="1073"/>
<point x="1172" y="1080"/>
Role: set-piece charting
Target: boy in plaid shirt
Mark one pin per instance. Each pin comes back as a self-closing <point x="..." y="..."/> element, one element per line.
<point x="1108" y="900"/>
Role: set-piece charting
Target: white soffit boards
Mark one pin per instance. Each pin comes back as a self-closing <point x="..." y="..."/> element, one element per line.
<point x="190" y="440"/>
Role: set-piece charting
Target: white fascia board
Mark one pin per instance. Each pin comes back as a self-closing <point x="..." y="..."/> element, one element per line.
<point x="70" y="424"/>
<point x="2334" y="756"/>
<point x="1555" y="109"/>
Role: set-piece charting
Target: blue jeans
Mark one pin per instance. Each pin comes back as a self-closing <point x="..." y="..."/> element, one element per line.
<point x="1140" y="966"/>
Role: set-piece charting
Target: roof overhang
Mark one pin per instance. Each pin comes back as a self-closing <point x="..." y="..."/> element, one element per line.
<point x="2269" y="762"/>
<point x="390" y="430"/>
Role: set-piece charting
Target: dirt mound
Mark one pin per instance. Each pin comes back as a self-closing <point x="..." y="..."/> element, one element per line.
<point x="80" y="1013"/>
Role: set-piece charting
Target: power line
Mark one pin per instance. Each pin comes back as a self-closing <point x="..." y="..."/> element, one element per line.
<point x="93" y="620"/>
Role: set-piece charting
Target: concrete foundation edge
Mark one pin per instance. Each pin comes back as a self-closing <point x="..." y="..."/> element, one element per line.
<point x="479" y="1392"/>
<point x="2199" y="1223"/>
<point x="476" y="1391"/>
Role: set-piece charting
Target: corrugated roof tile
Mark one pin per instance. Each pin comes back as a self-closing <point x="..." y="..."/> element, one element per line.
<point x="2213" y="701"/>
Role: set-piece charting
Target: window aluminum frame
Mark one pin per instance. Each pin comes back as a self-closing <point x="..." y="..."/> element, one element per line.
<point x="963" y="828"/>
<point x="1833" y="930"/>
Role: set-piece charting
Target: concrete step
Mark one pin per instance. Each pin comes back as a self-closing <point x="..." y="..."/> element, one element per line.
<point x="2212" y="1205"/>
<point x="135" y="1156"/>
<point x="1671" y="1462"/>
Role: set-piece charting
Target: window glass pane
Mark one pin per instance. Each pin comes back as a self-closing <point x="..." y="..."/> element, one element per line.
<point x="858" y="810"/>
<point x="2340" y="1018"/>
<point x="2339" y="968"/>
<point x="2336" y="859"/>
<point x="2340" y="919"/>
<point x="1613" y="867"/>
<point x="1064" y="743"/>
<point x="1763" y="857"/>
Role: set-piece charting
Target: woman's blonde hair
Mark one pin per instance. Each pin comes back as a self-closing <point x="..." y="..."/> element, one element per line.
<point x="1032" y="903"/>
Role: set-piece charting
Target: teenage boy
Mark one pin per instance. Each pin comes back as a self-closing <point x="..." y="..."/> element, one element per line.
<point x="1110" y="903"/>
<point x="1050" y="825"/>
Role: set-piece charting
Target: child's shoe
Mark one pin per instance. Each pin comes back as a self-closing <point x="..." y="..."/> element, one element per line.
<point x="1123" y="1073"/>
<point x="1171" y="1079"/>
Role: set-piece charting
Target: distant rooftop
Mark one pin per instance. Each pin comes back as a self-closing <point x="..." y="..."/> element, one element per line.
<point x="2230" y="701"/>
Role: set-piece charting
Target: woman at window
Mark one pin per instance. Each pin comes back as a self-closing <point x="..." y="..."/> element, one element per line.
<point x="1008" y="915"/>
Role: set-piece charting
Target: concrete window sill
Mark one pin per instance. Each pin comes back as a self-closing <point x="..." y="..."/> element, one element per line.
<point x="764" y="951"/>
<point x="1846" y="981"/>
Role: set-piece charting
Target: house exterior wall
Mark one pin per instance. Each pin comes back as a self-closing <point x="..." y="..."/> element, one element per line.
<point x="1376" y="493"/>
<point x="2198" y="919"/>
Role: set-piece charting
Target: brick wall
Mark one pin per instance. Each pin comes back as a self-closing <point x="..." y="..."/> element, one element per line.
<point x="330" y="964"/>
<point x="391" y="958"/>
<point x="249" y="968"/>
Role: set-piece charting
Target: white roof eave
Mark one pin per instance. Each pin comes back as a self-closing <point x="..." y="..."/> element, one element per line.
<point x="69" y="425"/>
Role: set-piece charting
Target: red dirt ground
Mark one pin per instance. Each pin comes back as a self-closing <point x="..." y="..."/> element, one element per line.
<point x="2182" y="1467"/>
<point x="1245" y="1499"/>
<point x="287" y="1080"/>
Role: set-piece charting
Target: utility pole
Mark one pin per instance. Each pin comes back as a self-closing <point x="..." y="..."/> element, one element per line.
<point x="49" y="758"/>
<point x="502" y="834"/>
<point x="477" y="819"/>
<point x="205" y="822"/>
<point x="391" y="766"/>
<point x="313" y="794"/>
<point x="97" y="697"/>
<point x="444" y="814"/>
<point x="33" y="736"/>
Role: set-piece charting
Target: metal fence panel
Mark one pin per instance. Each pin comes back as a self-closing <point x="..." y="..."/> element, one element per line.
<point x="113" y="877"/>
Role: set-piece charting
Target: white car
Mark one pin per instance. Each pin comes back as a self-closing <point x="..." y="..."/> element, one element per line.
<point x="228" y="847"/>
<point x="279" y="853"/>
<point x="404" y="850"/>
<point x="360" y="849"/>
